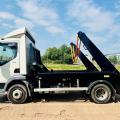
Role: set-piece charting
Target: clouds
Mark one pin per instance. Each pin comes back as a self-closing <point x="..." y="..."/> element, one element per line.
<point x="6" y="15"/>
<point x="84" y="13"/>
<point x="10" y="21"/>
<point x="99" y="23"/>
<point x="33" y="13"/>
<point x="60" y="20"/>
<point x="90" y="16"/>
<point x="44" y="16"/>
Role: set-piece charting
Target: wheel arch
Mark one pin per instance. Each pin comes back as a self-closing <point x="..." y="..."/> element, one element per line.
<point x="18" y="81"/>
<point x="102" y="82"/>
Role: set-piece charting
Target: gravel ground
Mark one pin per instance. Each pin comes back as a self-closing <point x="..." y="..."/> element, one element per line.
<point x="60" y="107"/>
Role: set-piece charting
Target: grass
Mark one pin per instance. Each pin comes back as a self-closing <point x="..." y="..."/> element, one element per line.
<point x="69" y="67"/>
<point x="118" y="67"/>
<point x="65" y="67"/>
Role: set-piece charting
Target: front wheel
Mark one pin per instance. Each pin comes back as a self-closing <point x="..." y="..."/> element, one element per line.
<point x="101" y="93"/>
<point x="17" y="94"/>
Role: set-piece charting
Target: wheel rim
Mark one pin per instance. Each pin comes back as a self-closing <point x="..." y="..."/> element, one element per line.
<point x="17" y="94"/>
<point x="101" y="94"/>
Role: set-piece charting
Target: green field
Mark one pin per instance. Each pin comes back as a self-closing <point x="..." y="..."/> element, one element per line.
<point x="69" y="67"/>
<point x="64" y="67"/>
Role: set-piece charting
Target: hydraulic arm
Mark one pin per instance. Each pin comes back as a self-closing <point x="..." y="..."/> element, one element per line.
<point x="84" y="59"/>
<point x="97" y="55"/>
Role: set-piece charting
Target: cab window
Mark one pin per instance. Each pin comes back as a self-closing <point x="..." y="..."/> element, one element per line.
<point x="8" y="52"/>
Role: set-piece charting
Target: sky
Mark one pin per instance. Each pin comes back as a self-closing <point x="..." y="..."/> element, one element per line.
<point x="56" y="22"/>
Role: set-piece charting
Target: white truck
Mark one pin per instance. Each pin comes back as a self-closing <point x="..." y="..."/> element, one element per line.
<point x="22" y="72"/>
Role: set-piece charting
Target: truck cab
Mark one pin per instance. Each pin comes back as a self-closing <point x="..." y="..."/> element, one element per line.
<point x="17" y="54"/>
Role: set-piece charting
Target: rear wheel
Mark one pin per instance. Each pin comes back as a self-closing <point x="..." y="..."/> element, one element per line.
<point x="101" y="93"/>
<point x="17" y="94"/>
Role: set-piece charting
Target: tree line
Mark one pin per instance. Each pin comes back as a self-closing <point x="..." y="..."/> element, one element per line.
<point x="114" y="59"/>
<point x="61" y="55"/>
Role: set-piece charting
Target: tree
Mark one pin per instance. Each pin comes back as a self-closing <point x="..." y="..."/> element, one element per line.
<point x="113" y="59"/>
<point x="58" y="55"/>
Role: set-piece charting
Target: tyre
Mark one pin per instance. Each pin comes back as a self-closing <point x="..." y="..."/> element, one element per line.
<point x="17" y="94"/>
<point x="101" y="94"/>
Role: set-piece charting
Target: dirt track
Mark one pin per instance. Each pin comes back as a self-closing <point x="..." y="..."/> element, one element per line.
<point x="60" y="110"/>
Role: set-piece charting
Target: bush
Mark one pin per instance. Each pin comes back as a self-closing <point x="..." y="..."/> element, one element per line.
<point x="113" y="59"/>
<point x="61" y="55"/>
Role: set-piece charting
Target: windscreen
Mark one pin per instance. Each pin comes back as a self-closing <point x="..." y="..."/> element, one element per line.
<point x="8" y="52"/>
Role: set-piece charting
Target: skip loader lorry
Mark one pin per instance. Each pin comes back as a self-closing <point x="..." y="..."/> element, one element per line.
<point x="22" y="72"/>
